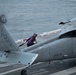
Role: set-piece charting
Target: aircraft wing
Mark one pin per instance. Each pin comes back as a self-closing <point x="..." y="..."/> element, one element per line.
<point x="18" y="57"/>
<point x="6" y="41"/>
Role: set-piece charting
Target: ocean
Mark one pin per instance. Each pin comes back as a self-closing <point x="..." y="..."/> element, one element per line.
<point x="25" y="17"/>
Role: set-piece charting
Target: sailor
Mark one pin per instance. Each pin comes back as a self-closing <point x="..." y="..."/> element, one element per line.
<point x="32" y="40"/>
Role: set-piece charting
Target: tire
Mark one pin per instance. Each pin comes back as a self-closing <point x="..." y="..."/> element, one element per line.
<point x="23" y="72"/>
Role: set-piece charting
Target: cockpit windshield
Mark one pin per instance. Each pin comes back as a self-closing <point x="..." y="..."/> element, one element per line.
<point x="69" y="34"/>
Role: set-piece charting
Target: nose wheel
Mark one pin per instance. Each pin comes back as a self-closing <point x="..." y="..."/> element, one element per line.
<point x="23" y="72"/>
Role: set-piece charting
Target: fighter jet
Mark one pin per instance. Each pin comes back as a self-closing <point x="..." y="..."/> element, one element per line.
<point x="60" y="46"/>
<point x="9" y="51"/>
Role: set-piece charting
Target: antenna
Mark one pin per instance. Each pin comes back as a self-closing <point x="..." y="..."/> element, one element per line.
<point x="63" y="23"/>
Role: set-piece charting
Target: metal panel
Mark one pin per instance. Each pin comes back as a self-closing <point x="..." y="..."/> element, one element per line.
<point x="18" y="57"/>
<point x="6" y="42"/>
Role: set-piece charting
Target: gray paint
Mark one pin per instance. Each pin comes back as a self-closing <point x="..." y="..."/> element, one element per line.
<point x="57" y="50"/>
<point x="6" y="42"/>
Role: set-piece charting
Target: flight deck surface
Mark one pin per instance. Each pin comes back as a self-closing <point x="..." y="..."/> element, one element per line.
<point x="54" y="68"/>
<point x="11" y="69"/>
<point x="43" y="68"/>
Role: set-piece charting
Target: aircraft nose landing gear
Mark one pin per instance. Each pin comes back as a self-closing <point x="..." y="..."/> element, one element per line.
<point x="23" y="72"/>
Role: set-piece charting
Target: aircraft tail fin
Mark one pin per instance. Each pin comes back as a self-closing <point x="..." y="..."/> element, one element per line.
<point x="6" y="41"/>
